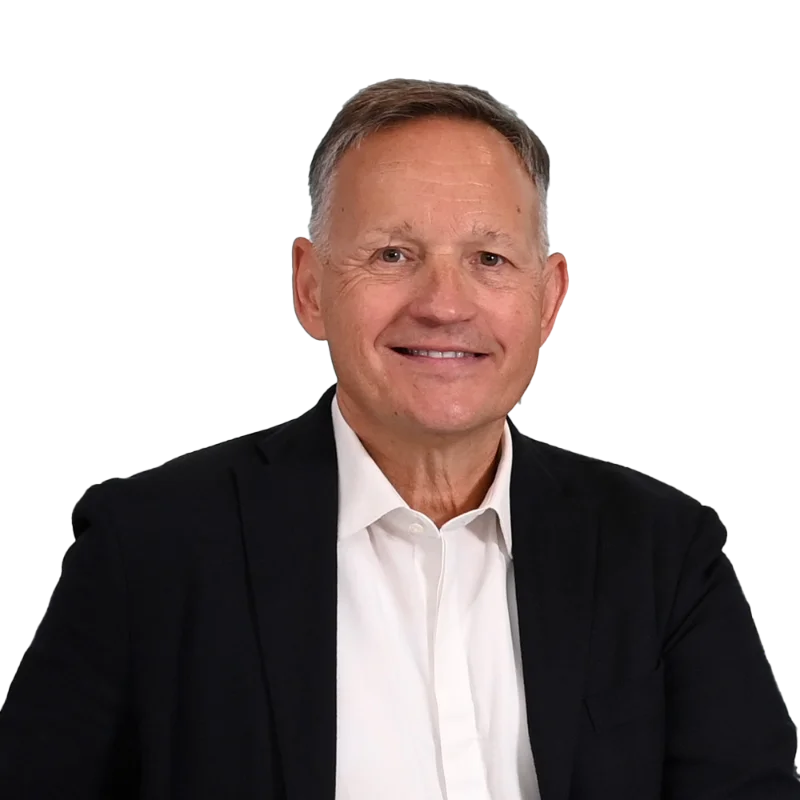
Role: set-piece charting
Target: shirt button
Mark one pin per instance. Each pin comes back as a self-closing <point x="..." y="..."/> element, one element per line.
<point x="415" y="527"/>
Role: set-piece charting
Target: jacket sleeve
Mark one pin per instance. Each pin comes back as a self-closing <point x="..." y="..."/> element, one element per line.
<point x="729" y="735"/>
<point x="65" y="728"/>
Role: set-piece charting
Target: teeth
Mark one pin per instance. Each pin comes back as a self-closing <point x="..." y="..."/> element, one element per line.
<point x="440" y="353"/>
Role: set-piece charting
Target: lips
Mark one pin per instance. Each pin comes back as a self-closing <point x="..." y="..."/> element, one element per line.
<point x="408" y="351"/>
<point x="442" y="362"/>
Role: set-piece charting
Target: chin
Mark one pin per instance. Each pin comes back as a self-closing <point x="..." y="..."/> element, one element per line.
<point x="446" y="418"/>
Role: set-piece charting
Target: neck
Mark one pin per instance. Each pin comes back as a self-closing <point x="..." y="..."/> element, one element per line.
<point x="438" y="475"/>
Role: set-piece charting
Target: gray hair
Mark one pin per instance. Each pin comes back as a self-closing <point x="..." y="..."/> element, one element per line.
<point x="392" y="102"/>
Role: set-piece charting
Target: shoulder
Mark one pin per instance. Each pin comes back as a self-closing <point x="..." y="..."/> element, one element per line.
<point x="639" y="518"/>
<point x="610" y="487"/>
<point x="195" y="485"/>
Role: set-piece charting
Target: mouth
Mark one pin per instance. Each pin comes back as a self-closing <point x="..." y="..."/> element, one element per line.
<point x="407" y="351"/>
<point x="446" y="362"/>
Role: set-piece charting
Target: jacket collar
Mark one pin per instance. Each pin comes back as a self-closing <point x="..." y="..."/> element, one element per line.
<point x="288" y="498"/>
<point x="366" y="495"/>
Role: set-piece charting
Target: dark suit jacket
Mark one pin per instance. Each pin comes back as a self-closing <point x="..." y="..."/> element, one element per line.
<point x="188" y="650"/>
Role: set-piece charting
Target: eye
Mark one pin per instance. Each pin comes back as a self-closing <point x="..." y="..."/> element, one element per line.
<point x="491" y="259"/>
<point x="391" y="255"/>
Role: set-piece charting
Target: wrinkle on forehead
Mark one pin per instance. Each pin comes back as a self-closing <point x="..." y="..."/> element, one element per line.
<point x="452" y="183"/>
<point x="479" y="230"/>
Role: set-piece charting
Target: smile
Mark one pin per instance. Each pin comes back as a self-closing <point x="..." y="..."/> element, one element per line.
<point x="445" y="360"/>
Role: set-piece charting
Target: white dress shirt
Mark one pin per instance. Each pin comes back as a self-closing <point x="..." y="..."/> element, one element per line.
<point x="430" y="699"/>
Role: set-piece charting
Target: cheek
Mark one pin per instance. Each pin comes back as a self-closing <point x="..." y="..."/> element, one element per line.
<point x="516" y="325"/>
<point x="358" y="312"/>
<point x="361" y="322"/>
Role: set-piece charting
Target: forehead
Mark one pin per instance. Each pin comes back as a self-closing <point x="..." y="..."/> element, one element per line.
<point x="479" y="231"/>
<point x="436" y="160"/>
<point x="441" y="177"/>
<point x="442" y="143"/>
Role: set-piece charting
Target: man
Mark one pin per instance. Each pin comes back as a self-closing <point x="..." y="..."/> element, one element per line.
<point x="398" y="594"/>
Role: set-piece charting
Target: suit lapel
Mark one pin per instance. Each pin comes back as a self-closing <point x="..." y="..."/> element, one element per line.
<point x="554" y="547"/>
<point x="288" y="498"/>
<point x="289" y="503"/>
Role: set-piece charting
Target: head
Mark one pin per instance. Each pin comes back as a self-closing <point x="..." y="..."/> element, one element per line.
<point x="428" y="232"/>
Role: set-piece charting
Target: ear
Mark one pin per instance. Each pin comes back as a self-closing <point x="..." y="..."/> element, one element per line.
<point x="307" y="287"/>
<point x="555" y="282"/>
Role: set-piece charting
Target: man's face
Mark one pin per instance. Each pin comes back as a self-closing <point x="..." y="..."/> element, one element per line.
<point x="433" y="245"/>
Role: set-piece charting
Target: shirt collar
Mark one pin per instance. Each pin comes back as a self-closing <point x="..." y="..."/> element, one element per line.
<point x="366" y="494"/>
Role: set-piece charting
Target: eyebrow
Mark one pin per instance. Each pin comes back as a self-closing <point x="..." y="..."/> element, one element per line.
<point x="479" y="231"/>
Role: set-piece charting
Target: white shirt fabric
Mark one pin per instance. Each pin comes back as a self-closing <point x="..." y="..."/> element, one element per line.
<point x="430" y="698"/>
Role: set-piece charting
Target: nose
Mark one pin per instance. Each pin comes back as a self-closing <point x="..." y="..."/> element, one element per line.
<point x="443" y="293"/>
